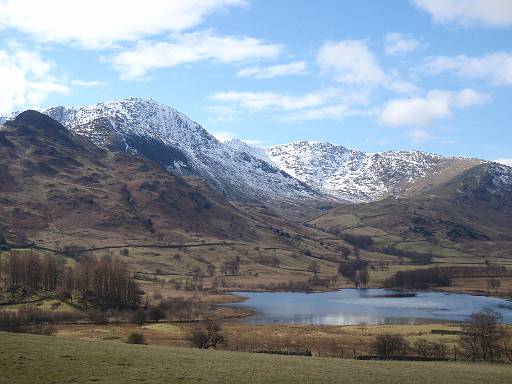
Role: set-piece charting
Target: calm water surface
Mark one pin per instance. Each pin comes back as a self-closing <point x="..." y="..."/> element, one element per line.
<point x="368" y="306"/>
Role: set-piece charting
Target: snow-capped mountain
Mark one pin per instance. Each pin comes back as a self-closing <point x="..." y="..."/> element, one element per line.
<point x="176" y="142"/>
<point x="287" y="172"/>
<point x="359" y="176"/>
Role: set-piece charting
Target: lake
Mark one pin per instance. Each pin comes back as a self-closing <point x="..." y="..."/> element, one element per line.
<point x="366" y="306"/>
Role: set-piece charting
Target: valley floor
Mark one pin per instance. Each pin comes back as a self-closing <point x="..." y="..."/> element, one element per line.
<point x="43" y="359"/>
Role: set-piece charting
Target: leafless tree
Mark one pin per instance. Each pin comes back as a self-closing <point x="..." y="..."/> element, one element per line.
<point x="210" y="269"/>
<point x="209" y="336"/>
<point x="483" y="337"/>
<point x="314" y="268"/>
<point x="231" y="267"/>
<point x="390" y="346"/>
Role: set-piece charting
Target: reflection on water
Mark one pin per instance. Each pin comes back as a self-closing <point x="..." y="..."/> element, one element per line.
<point x="367" y="306"/>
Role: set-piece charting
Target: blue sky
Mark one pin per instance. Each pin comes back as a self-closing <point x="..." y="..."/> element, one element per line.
<point x="433" y="75"/>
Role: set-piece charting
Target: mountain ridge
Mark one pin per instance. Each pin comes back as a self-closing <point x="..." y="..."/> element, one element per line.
<point x="179" y="144"/>
<point x="311" y="170"/>
<point x="358" y="176"/>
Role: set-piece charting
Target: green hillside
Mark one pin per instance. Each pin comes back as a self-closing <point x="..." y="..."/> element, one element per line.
<point x="43" y="359"/>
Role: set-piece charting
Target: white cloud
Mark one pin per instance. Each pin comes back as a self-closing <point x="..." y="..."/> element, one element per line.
<point x="224" y="113"/>
<point x="26" y="80"/>
<point x="99" y="23"/>
<point x="469" y="97"/>
<point x="293" y="68"/>
<point x="400" y="43"/>
<point x="351" y="62"/>
<point x="326" y="103"/>
<point x="335" y="112"/>
<point x="223" y="136"/>
<point x="494" y="13"/>
<point x="88" y="83"/>
<point x="38" y="91"/>
<point x="189" y="48"/>
<point x="271" y="100"/>
<point x="504" y="161"/>
<point x="495" y="68"/>
<point x="402" y="86"/>
<point x="419" y="112"/>
<point x="419" y="135"/>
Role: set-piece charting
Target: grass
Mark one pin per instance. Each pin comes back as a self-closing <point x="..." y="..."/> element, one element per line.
<point x="162" y="327"/>
<point x="428" y="247"/>
<point x="49" y="305"/>
<point x="346" y="220"/>
<point x="31" y="359"/>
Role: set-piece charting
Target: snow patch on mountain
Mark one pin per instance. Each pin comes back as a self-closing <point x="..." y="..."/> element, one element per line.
<point x="502" y="176"/>
<point x="179" y="144"/>
<point x="350" y="174"/>
<point x="287" y="172"/>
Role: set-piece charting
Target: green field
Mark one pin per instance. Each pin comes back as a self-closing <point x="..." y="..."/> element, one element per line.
<point x="44" y="359"/>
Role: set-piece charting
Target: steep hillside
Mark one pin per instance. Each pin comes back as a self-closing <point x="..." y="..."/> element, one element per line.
<point x="59" y="190"/>
<point x="468" y="217"/>
<point x="357" y="176"/>
<point x="54" y="181"/>
<point x="171" y="139"/>
<point x="282" y="176"/>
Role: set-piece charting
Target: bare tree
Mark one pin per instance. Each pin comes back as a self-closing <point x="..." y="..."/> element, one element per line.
<point x="483" y="337"/>
<point x="345" y="252"/>
<point x="106" y="282"/>
<point x="156" y="314"/>
<point x="430" y="350"/>
<point x="363" y="277"/>
<point x="314" y="267"/>
<point x="210" y="269"/>
<point x="493" y="283"/>
<point x="208" y="337"/>
<point x="390" y="346"/>
<point x="231" y="267"/>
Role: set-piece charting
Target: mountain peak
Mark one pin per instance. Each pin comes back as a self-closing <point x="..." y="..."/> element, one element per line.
<point x="174" y="141"/>
<point x="358" y="176"/>
<point x="32" y="117"/>
<point x="280" y="172"/>
<point x="33" y="125"/>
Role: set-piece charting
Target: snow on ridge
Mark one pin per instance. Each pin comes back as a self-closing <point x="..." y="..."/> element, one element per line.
<point x="351" y="174"/>
<point x="233" y="171"/>
<point x="293" y="171"/>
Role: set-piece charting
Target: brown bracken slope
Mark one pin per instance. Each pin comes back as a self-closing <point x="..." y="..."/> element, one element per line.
<point x="59" y="190"/>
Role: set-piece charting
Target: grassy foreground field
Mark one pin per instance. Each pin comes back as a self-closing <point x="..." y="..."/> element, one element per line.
<point x="43" y="359"/>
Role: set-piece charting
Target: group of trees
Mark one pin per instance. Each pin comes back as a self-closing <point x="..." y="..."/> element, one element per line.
<point x="429" y="350"/>
<point x="30" y="271"/>
<point x="415" y="257"/>
<point x="366" y="242"/>
<point x="231" y="267"/>
<point x="485" y="338"/>
<point x="355" y="270"/>
<point x="358" y="241"/>
<point x="390" y="346"/>
<point x="419" y="279"/>
<point x="105" y="282"/>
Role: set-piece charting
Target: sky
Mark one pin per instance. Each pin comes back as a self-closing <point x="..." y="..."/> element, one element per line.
<point x="431" y="75"/>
